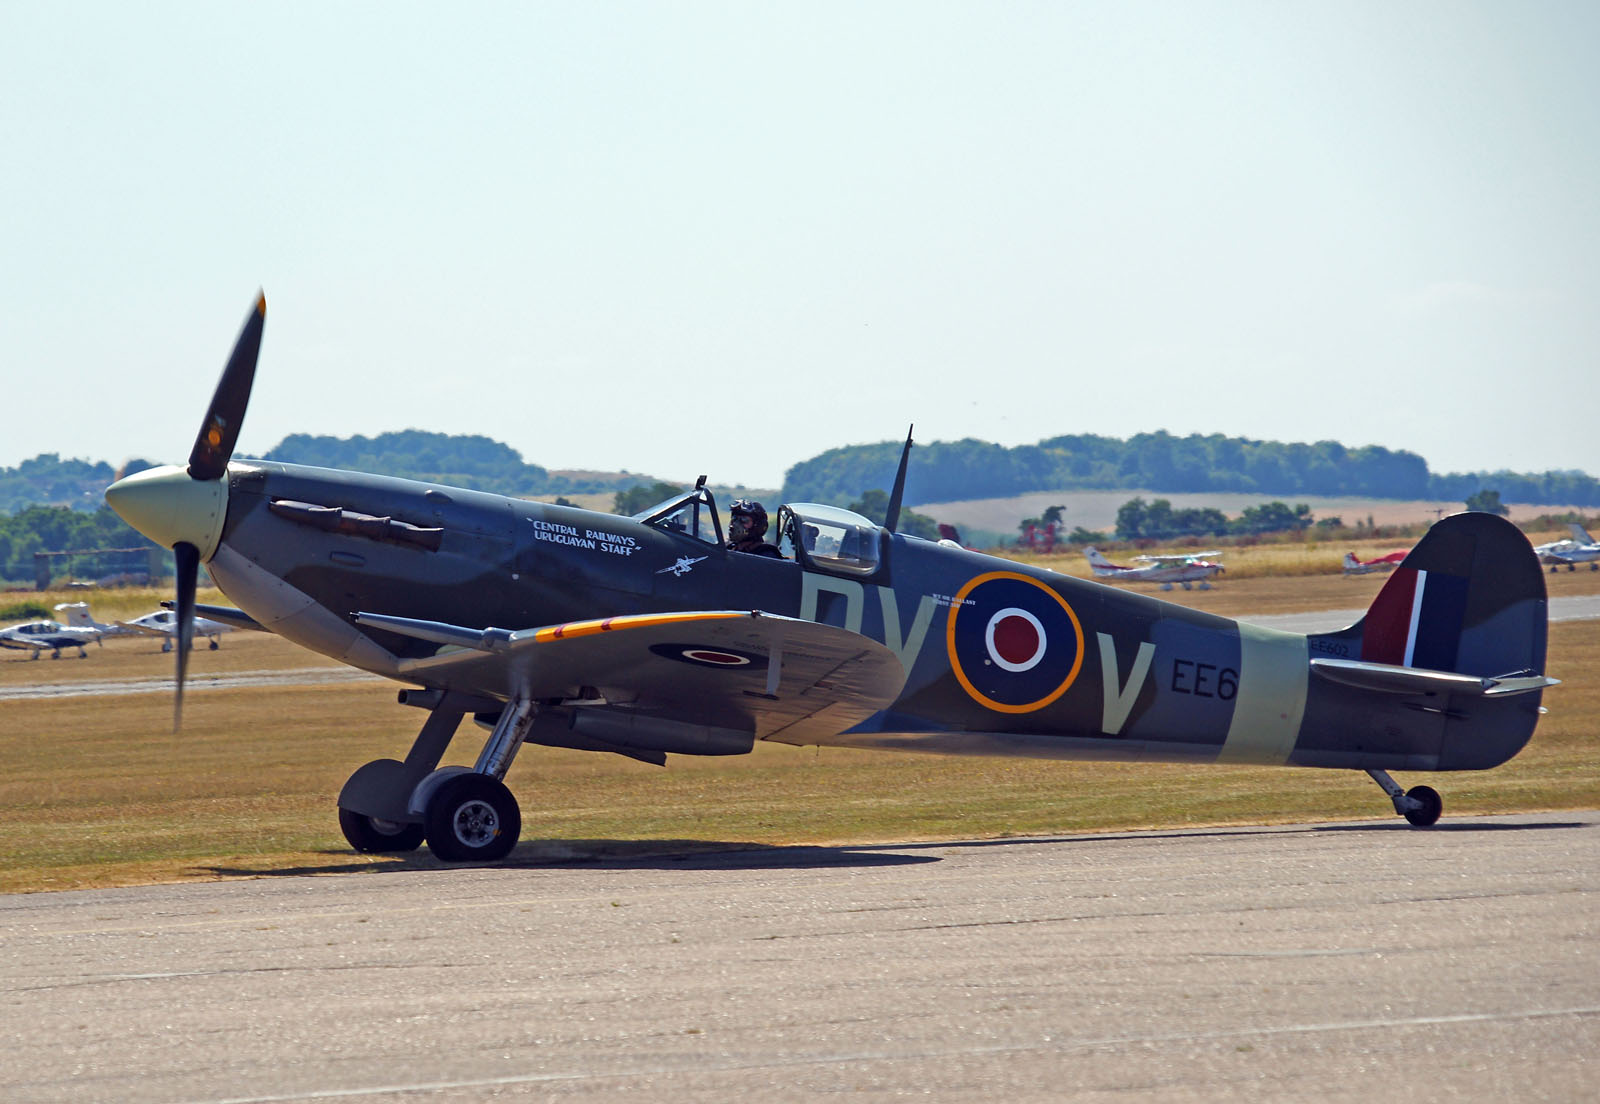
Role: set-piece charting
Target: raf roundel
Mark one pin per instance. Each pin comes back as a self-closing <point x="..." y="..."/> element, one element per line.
<point x="703" y="656"/>
<point x="1015" y="645"/>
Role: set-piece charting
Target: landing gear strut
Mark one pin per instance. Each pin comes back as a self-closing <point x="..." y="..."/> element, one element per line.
<point x="1421" y="805"/>
<point x="464" y="815"/>
<point x="471" y="816"/>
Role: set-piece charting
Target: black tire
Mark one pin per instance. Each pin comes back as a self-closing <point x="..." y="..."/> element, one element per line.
<point x="1431" y="806"/>
<point x="472" y="818"/>
<point x="372" y="836"/>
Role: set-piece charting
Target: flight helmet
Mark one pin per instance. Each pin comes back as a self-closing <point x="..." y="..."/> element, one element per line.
<point x="754" y="514"/>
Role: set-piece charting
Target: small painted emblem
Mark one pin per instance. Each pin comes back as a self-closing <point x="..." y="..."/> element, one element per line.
<point x="684" y="565"/>
<point x="702" y="656"/>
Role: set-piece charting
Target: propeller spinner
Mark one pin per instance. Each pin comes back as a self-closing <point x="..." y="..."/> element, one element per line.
<point x="184" y="508"/>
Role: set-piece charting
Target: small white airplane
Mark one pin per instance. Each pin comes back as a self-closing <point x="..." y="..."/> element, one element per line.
<point x="1353" y="566"/>
<point x="1165" y="570"/>
<point x="49" y="636"/>
<point x="1581" y="548"/>
<point x="164" y="623"/>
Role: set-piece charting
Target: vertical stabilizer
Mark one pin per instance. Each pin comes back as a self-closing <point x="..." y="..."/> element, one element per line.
<point x="1469" y="598"/>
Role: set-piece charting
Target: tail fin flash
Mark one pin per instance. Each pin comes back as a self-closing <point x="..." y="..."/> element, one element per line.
<point x="1580" y="534"/>
<point x="1351" y="563"/>
<point x="1469" y="599"/>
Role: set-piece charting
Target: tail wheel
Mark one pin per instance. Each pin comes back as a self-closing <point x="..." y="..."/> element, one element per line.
<point x="472" y="818"/>
<point x="1427" y="808"/>
<point x="371" y="835"/>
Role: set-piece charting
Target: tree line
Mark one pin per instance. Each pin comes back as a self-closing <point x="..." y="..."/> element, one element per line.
<point x="949" y="471"/>
<point x="458" y="460"/>
<point x="61" y="529"/>
<point x="1158" y="520"/>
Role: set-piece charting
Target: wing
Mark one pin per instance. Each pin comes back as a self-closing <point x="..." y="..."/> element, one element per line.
<point x="148" y="630"/>
<point x="731" y="669"/>
<point x="226" y="616"/>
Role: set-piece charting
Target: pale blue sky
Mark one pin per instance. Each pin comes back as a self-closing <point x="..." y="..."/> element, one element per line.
<point x="722" y="237"/>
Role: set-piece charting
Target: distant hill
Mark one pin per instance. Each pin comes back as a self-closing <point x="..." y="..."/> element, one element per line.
<point x="48" y="480"/>
<point x="948" y="471"/>
<point x="471" y="461"/>
<point x="940" y="471"/>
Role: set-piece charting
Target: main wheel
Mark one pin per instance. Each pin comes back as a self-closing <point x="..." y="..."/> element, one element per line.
<point x="472" y="818"/>
<point x="1428" y="812"/>
<point x="372" y="835"/>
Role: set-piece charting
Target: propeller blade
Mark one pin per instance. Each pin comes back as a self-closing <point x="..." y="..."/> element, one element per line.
<point x="213" y="448"/>
<point x="187" y="557"/>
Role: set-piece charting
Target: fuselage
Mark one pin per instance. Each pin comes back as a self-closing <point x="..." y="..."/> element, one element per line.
<point x="999" y="657"/>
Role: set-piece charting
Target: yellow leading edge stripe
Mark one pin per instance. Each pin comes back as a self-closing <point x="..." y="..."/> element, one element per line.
<point x="630" y="621"/>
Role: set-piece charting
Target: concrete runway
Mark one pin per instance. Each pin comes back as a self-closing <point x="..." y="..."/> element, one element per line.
<point x="1581" y="607"/>
<point x="1363" y="961"/>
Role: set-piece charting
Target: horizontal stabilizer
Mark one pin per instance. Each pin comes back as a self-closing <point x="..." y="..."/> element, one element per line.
<point x="1389" y="679"/>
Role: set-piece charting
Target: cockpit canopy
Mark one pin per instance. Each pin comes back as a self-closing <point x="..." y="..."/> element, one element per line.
<point x="828" y="537"/>
<point x="824" y="537"/>
<point x="693" y="513"/>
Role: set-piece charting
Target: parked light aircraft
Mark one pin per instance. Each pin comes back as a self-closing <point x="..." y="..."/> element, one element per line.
<point x="164" y="623"/>
<point x="1353" y="566"/>
<point x="1165" y="570"/>
<point x="558" y="626"/>
<point x="76" y="615"/>
<point x="48" y="636"/>
<point x="1580" y="549"/>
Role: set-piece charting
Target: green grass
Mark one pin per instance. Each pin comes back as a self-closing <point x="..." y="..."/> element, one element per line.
<point x="100" y="792"/>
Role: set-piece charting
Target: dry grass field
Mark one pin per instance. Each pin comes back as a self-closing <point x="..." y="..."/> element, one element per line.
<point x="98" y="791"/>
<point x="1097" y="510"/>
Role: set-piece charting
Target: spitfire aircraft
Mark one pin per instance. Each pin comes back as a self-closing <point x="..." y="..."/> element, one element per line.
<point x="1166" y="570"/>
<point x="646" y="636"/>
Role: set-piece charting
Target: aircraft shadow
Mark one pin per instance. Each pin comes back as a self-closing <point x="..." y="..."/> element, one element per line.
<point x="731" y="855"/>
<point x="621" y="854"/>
<point x="1456" y="826"/>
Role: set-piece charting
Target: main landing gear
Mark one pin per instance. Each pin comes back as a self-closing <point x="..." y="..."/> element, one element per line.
<point x="1421" y="805"/>
<point x="464" y="815"/>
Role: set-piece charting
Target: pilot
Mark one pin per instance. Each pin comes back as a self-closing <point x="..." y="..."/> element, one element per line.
<point x="747" y="526"/>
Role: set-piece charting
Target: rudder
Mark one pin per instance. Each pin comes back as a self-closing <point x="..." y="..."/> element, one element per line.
<point x="1469" y="598"/>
